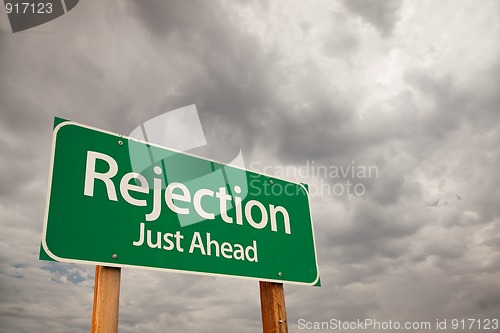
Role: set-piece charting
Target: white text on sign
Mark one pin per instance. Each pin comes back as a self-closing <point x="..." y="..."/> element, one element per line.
<point x="176" y="193"/>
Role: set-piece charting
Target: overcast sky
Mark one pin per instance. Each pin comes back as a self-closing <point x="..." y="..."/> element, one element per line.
<point x="410" y="87"/>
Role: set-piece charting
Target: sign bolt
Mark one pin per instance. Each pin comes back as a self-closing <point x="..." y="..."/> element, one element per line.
<point x="271" y="182"/>
<point x="280" y="274"/>
<point x="120" y="142"/>
<point x="114" y="256"/>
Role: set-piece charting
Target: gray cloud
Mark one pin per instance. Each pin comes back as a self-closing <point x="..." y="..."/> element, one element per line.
<point x="383" y="15"/>
<point x="342" y="40"/>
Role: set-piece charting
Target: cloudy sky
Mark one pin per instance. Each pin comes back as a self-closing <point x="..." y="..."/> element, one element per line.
<point x="411" y="88"/>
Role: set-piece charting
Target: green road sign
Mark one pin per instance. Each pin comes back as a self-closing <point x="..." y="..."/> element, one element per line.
<point x="117" y="201"/>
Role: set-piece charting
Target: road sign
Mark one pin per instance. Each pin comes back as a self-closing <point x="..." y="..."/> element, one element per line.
<point x="117" y="201"/>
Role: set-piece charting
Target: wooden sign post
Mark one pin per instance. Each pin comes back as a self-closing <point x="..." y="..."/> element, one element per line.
<point x="272" y="302"/>
<point x="106" y="299"/>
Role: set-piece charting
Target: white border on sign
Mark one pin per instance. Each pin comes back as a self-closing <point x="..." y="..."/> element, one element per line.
<point x="87" y="262"/>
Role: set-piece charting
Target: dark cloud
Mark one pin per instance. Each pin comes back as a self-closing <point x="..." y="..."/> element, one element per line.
<point x="342" y="40"/>
<point x="227" y="74"/>
<point x="164" y="18"/>
<point x="383" y="15"/>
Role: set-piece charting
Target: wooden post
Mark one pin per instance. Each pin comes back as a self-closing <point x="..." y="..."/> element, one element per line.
<point x="106" y="299"/>
<point x="272" y="303"/>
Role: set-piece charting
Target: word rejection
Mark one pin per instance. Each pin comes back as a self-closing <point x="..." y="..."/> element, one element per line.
<point x="179" y="199"/>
